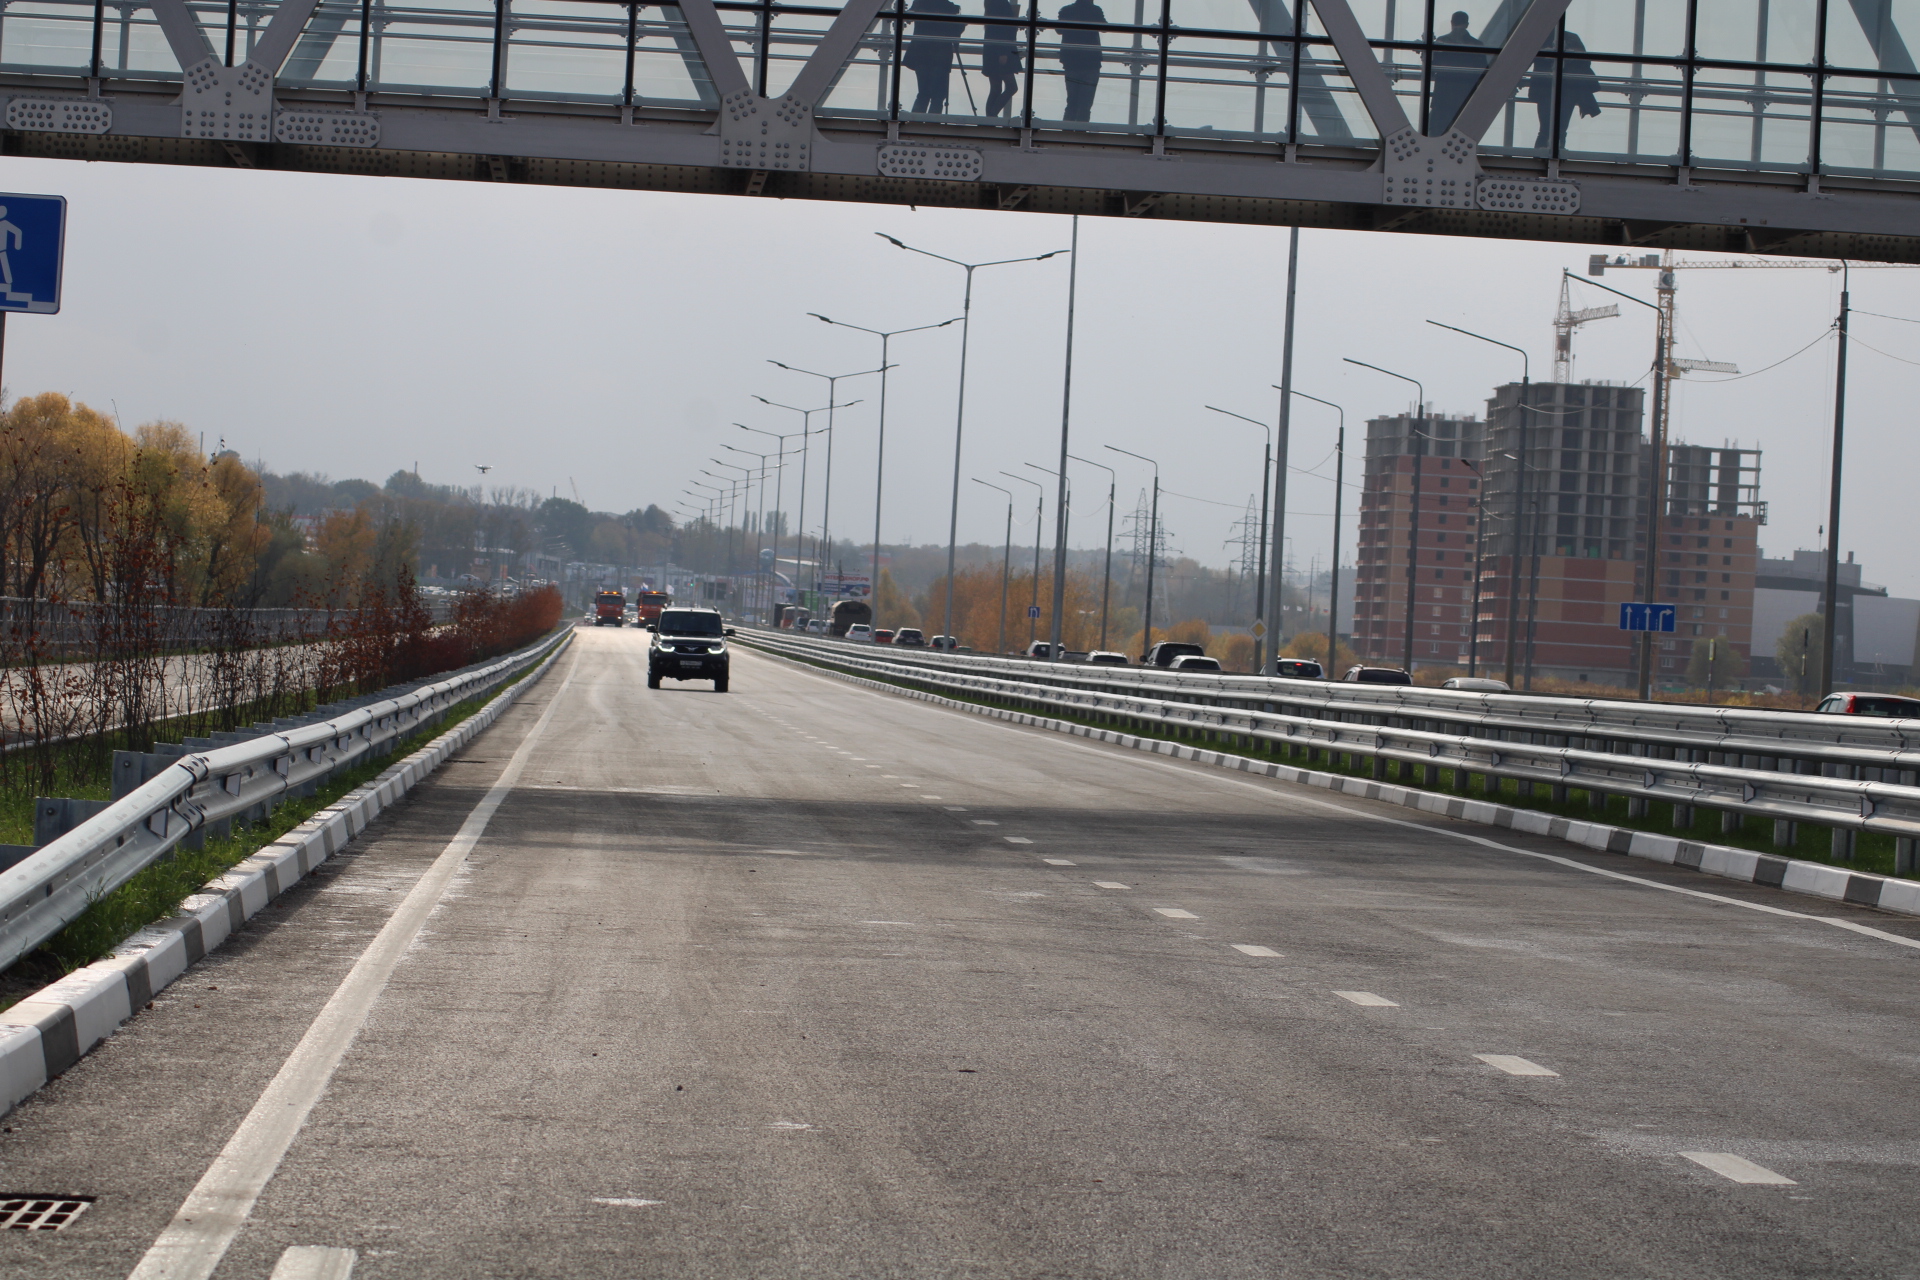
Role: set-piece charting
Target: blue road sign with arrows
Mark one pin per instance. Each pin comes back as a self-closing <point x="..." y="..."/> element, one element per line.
<point x="33" y="234"/>
<point x="1647" y="617"/>
<point x="1033" y="611"/>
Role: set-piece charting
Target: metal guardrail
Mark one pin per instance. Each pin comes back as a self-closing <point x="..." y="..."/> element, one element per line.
<point x="1843" y="804"/>
<point x="48" y="889"/>
<point x="1858" y="747"/>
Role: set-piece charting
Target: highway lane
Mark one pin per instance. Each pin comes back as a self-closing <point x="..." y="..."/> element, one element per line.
<point x="808" y="980"/>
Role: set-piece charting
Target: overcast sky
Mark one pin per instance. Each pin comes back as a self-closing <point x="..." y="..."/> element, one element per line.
<point x="354" y="326"/>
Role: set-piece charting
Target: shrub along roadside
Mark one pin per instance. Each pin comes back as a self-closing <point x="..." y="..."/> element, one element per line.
<point x="157" y="891"/>
<point x="1874" y="851"/>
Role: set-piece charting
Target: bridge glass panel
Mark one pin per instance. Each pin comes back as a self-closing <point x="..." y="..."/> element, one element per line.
<point x="667" y="68"/>
<point x="1226" y="88"/>
<point x="566" y="50"/>
<point x="744" y="23"/>
<point x="1759" y="120"/>
<point x="1641" y="28"/>
<point x="47" y="36"/>
<point x="1330" y="111"/>
<point x="437" y="47"/>
<point x="864" y="87"/>
<point x="1871" y="127"/>
<point x="132" y="46"/>
<point x="793" y="35"/>
<point x="327" y="54"/>
<point x="1091" y="77"/>
<point x="1777" y="31"/>
<point x="1268" y="17"/>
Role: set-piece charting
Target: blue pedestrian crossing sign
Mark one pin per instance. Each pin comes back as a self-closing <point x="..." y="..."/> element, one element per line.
<point x="33" y="235"/>
<point x="1647" y="617"/>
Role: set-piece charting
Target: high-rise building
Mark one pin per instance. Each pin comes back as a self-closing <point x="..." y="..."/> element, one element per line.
<point x="1549" y="539"/>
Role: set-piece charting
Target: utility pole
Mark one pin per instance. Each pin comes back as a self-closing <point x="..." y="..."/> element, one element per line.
<point x="1829" y="636"/>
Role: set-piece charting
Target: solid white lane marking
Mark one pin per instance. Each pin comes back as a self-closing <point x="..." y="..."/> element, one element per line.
<point x="1368" y="999"/>
<point x="626" y="1202"/>
<point x="1248" y="949"/>
<point x="1059" y="862"/>
<point x="1737" y="1169"/>
<point x="1017" y="840"/>
<point x="1110" y="884"/>
<point x="314" y="1262"/>
<point x="1175" y="913"/>
<point x="1514" y="1066"/>
<point x="217" y="1207"/>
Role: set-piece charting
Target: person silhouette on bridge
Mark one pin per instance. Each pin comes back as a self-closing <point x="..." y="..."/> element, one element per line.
<point x="1454" y="75"/>
<point x="1577" y="86"/>
<point x="1000" y="57"/>
<point x="930" y="55"/>
<point x="1080" y="58"/>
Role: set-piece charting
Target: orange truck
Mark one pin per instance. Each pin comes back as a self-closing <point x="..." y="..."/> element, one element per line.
<point x="610" y="606"/>
<point x="650" y="603"/>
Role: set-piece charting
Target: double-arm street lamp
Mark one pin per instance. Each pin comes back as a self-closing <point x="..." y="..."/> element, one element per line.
<point x="1153" y="547"/>
<point x="1266" y="490"/>
<point x="832" y="380"/>
<point x="1413" y="533"/>
<point x="1006" y="561"/>
<point x="779" y="485"/>
<point x="760" y="517"/>
<point x="1339" y="491"/>
<point x="960" y="408"/>
<point x="1039" y="518"/>
<point x="1106" y="585"/>
<point x="806" y="422"/>
<point x="880" y="453"/>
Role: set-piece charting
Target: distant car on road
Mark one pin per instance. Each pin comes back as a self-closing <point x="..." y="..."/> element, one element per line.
<point x="910" y="637"/>
<point x="883" y="636"/>
<point x="1163" y="654"/>
<point x="1477" y="684"/>
<point x="860" y="632"/>
<point x="1299" y="669"/>
<point x="1196" y="662"/>
<point x="944" y="642"/>
<point x="1883" y="705"/>
<point x="689" y="644"/>
<point x="1038" y="649"/>
<point x="816" y="626"/>
<point x="1376" y="675"/>
<point x="1107" y="658"/>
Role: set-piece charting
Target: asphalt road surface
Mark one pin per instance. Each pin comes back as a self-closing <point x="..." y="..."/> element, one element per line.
<point x="806" y="980"/>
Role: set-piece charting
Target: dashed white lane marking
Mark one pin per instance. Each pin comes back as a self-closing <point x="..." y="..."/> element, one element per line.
<point x="1514" y="1066"/>
<point x="911" y="786"/>
<point x="1248" y="949"/>
<point x="626" y="1202"/>
<point x="1368" y="999"/>
<point x="1110" y="884"/>
<point x="951" y="808"/>
<point x="314" y="1262"/>
<point x="1175" y="913"/>
<point x="192" y="1244"/>
<point x="929" y="797"/>
<point x="887" y="775"/>
<point x="980" y="822"/>
<point x="1017" y="840"/>
<point x="1736" y="1169"/>
<point x="1059" y="862"/>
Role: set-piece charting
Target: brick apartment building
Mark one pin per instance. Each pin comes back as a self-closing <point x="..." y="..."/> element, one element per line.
<point x="1579" y="526"/>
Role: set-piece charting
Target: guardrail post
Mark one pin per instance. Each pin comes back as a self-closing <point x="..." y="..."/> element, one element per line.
<point x="1429" y="775"/>
<point x="1730" y="822"/>
<point x="1636" y="806"/>
<point x="1596" y="800"/>
<point x="1903" y="855"/>
<point x="1489" y="783"/>
<point x="1682" y="816"/>
<point x="1561" y="793"/>
<point x="1844" y="843"/>
<point x="1786" y="833"/>
<point x="1380" y="768"/>
<point x="1462" y="778"/>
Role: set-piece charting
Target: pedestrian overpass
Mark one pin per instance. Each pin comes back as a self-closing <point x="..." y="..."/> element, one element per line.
<point x="1788" y="126"/>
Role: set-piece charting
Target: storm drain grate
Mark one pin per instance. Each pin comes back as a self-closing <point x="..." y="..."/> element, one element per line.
<point x="39" y="1213"/>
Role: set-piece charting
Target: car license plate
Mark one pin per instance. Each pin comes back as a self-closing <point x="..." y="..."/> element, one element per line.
<point x="689" y="662"/>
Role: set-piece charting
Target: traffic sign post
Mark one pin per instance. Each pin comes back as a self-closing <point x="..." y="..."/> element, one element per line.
<point x="33" y="237"/>
<point x="1647" y="617"/>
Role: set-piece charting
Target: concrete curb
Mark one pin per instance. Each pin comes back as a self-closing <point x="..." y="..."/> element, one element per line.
<point x="1795" y="875"/>
<point x="56" y="1026"/>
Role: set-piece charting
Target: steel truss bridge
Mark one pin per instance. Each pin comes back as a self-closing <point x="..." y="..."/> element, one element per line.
<point x="1777" y="126"/>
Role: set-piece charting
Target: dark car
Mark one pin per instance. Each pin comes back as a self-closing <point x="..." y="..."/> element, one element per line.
<point x="1376" y="675"/>
<point x="910" y="638"/>
<point x="1163" y="654"/>
<point x="689" y="644"/>
<point x="1883" y="705"/>
<point x="1196" y="662"/>
<point x="1299" y="669"/>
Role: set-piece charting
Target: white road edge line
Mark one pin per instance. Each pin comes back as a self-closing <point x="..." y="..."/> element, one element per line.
<point x="219" y="1204"/>
<point x="1738" y="1169"/>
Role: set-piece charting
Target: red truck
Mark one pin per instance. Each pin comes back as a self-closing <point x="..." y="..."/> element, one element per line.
<point x="649" y="604"/>
<point x="610" y="606"/>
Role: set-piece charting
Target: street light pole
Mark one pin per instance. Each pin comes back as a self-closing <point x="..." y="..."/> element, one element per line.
<point x="1106" y="583"/>
<point x="1285" y="388"/>
<point x="960" y="408"/>
<point x="1039" y="515"/>
<point x="806" y="434"/>
<point x="1006" y="562"/>
<point x="1829" y="636"/>
<point x="1064" y="504"/>
<point x="880" y="453"/>
<point x="1260" y="578"/>
<point x="1339" y="492"/>
<point x="1060" y="503"/>
<point x="1413" y="535"/>
<point x="779" y="488"/>
<point x="1520" y="483"/>
<point x="1153" y="549"/>
<point x="833" y="387"/>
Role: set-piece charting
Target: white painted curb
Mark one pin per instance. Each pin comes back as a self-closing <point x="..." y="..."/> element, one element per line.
<point x="1796" y="875"/>
<point x="53" y="1028"/>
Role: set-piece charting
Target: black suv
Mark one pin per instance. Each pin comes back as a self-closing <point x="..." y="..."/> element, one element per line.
<point x="688" y="644"/>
